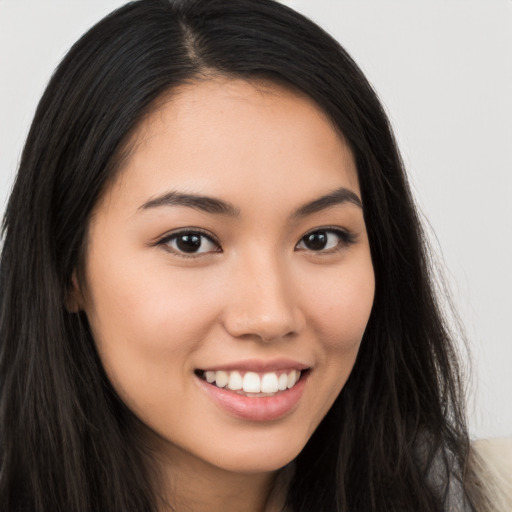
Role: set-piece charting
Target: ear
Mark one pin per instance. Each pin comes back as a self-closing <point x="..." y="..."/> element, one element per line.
<point x="74" y="299"/>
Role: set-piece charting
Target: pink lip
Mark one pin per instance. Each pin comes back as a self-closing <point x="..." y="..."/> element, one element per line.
<point x="259" y="366"/>
<point x="267" y="408"/>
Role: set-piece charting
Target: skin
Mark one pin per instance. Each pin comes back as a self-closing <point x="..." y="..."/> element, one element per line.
<point x="254" y="291"/>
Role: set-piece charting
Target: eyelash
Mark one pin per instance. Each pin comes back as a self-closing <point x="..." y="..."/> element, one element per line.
<point x="166" y="240"/>
<point x="345" y="239"/>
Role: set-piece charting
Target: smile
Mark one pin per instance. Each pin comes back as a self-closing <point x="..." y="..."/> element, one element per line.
<point x="259" y="396"/>
<point x="250" y="383"/>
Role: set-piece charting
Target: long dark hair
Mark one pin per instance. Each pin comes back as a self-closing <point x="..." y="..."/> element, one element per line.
<point x="395" y="439"/>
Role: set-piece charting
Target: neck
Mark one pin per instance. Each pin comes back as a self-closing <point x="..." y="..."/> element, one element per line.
<point x="217" y="491"/>
<point x="189" y="484"/>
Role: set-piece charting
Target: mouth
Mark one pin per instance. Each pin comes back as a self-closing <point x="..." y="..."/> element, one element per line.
<point x="253" y="384"/>
<point x="256" y="391"/>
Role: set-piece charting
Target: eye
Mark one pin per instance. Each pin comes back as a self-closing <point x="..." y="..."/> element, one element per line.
<point x="190" y="243"/>
<point x="325" y="240"/>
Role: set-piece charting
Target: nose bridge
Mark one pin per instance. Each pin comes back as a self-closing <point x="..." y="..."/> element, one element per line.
<point x="263" y="303"/>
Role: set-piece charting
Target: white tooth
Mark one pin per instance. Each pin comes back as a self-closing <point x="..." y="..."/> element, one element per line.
<point x="235" y="381"/>
<point x="269" y="383"/>
<point x="221" y="379"/>
<point x="282" y="382"/>
<point x="292" y="378"/>
<point x="210" y="376"/>
<point x="252" y="383"/>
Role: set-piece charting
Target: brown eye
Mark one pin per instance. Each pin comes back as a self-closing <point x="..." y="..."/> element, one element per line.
<point x="325" y="240"/>
<point x="191" y="242"/>
<point x="316" y="241"/>
<point x="188" y="243"/>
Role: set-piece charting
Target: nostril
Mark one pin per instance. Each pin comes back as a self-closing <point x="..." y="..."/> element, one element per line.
<point x="263" y="328"/>
<point x="265" y="313"/>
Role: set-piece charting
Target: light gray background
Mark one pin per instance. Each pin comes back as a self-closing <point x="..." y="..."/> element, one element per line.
<point x="443" y="69"/>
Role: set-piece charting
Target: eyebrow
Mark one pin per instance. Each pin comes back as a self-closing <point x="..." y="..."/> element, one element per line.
<point x="219" y="207"/>
<point x="337" y="197"/>
<point x="198" y="202"/>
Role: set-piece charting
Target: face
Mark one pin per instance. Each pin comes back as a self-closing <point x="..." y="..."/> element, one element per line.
<point x="228" y="278"/>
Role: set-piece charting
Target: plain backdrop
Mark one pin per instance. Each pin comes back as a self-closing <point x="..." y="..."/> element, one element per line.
<point x="442" y="68"/>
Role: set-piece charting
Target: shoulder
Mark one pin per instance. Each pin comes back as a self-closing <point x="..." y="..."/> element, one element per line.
<point x="490" y="473"/>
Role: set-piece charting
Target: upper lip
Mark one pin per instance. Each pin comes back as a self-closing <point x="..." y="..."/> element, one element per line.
<point x="259" y="365"/>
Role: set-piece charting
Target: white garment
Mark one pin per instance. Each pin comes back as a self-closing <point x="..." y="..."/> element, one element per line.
<point x="491" y="463"/>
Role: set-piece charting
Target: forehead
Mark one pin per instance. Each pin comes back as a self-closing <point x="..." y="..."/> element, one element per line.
<point x="228" y="136"/>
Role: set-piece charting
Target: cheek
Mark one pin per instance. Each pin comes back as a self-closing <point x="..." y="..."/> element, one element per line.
<point x="146" y="320"/>
<point x="340" y="306"/>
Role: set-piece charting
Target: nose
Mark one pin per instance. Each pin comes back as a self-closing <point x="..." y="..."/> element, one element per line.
<point x="263" y="302"/>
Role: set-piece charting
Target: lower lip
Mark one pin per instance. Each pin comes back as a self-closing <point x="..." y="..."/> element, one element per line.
<point x="265" y="408"/>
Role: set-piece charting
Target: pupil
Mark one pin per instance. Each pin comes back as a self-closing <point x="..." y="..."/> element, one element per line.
<point x="316" y="241"/>
<point x="188" y="243"/>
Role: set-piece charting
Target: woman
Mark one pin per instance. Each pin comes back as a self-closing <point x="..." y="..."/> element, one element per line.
<point x="215" y="289"/>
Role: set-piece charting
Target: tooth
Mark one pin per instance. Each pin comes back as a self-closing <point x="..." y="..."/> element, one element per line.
<point x="221" y="379"/>
<point x="235" y="381"/>
<point x="292" y="378"/>
<point x="251" y="383"/>
<point x="282" y="383"/>
<point x="269" y="383"/>
<point x="210" y="376"/>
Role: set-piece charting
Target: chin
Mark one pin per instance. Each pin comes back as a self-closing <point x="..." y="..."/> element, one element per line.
<point x="259" y="456"/>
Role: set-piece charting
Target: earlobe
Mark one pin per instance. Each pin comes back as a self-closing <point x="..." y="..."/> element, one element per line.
<point x="74" y="299"/>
